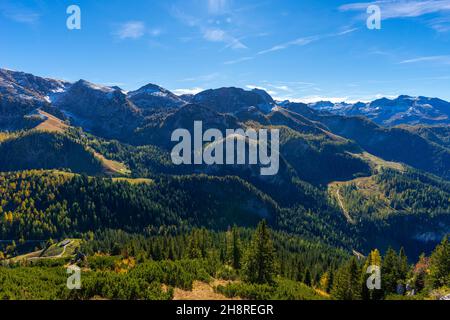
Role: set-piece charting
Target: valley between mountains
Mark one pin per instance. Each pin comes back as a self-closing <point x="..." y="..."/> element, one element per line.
<point x="86" y="161"/>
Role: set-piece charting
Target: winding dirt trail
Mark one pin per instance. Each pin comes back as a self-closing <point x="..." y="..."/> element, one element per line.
<point x="341" y="204"/>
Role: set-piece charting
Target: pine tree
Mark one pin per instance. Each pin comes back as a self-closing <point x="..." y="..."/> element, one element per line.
<point x="403" y="269"/>
<point x="439" y="273"/>
<point x="171" y="254"/>
<point x="194" y="251"/>
<point x="403" y="265"/>
<point x="228" y="251"/>
<point x="236" y="249"/>
<point x="299" y="272"/>
<point x="346" y="284"/>
<point x="307" y="279"/>
<point x="259" y="265"/>
<point x="390" y="272"/>
<point x="354" y="272"/>
<point x="330" y="281"/>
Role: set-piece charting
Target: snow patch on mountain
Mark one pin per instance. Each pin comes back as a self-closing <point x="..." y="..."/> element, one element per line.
<point x="402" y="110"/>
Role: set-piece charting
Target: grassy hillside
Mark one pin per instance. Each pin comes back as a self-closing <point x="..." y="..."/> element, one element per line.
<point x="46" y="150"/>
<point x="50" y="146"/>
<point x="393" y="144"/>
<point x="390" y="192"/>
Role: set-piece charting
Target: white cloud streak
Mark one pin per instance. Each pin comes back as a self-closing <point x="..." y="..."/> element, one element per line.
<point x="401" y="8"/>
<point x="209" y="33"/>
<point x="441" y="24"/>
<point x="29" y="18"/>
<point x="180" y="92"/>
<point x="252" y="87"/>
<point x="219" y="35"/>
<point x="135" y="30"/>
<point x="440" y="59"/>
<point x="297" y="42"/>
<point x="305" y="41"/>
<point x="243" y="59"/>
<point x="19" y="14"/>
<point x="131" y="30"/>
<point x="312" y="99"/>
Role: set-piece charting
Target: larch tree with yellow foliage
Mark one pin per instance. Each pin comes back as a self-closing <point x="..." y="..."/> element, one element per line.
<point x="374" y="259"/>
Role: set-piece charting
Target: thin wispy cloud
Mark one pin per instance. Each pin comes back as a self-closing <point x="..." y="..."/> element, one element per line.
<point x="312" y="99"/>
<point x="445" y="59"/>
<point x="131" y="30"/>
<point x="282" y="88"/>
<point x="180" y="92"/>
<point x="19" y="14"/>
<point x="401" y="8"/>
<point x="297" y="42"/>
<point x="252" y="87"/>
<point x="135" y="30"/>
<point x="29" y="18"/>
<point x="305" y="41"/>
<point x="391" y="9"/>
<point x="291" y="86"/>
<point x="286" y="90"/>
<point x="441" y="24"/>
<point x="208" y="29"/>
<point x="155" y="32"/>
<point x="219" y="35"/>
<point x="243" y="59"/>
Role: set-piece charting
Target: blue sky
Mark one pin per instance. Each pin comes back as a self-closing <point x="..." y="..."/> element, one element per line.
<point x="296" y="49"/>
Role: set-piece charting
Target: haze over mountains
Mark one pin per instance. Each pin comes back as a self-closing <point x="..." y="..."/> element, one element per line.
<point x="338" y="168"/>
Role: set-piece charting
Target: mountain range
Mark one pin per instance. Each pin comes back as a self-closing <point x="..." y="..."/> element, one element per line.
<point x="355" y="175"/>
<point x="25" y="89"/>
<point x="391" y="112"/>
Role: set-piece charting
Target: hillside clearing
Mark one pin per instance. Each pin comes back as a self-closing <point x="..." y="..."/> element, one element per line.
<point x="366" y="187"/>
<point x="112" y="166"/>
<point x="133" y="181"/>
<point x="377" y="163"/>
<point x="202" y="291"/>
<point x="51" y="124"/>
<point x="55" y="125"/>
<point x="62" y="249"/>
<point x="3" y="136"/>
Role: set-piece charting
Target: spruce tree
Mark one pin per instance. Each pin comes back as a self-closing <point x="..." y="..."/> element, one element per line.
<point x="404" y="267"/>
<point x="390" y="272"/>
<point x="236" y="249"/>
<point x="259" y="265"/>
<point x="330" y="281"/>
<point x="346" y="284"/>
<point x="439" y="273"/>
<point x="307" y="279"/>
<point x="300" y="274"/>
